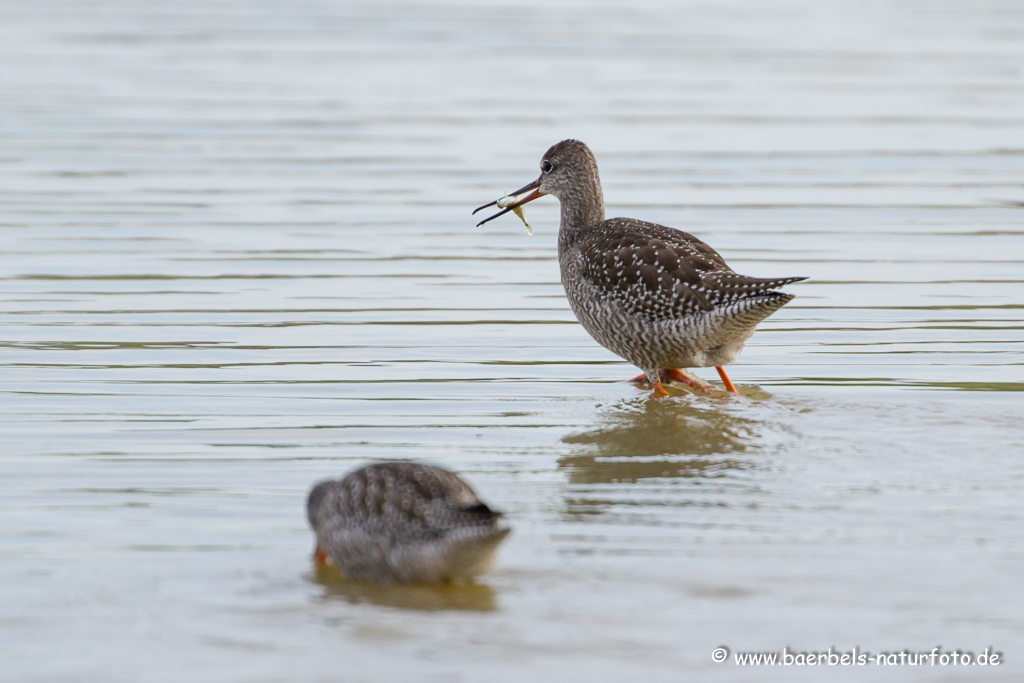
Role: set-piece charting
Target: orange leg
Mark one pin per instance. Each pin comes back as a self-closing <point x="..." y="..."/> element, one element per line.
<point x="659" y="390"/>
<point x="725" y="380"/>
<point x="687" y="379"/>
<point x="321" y="558"/>
<point x="672" y="375"/>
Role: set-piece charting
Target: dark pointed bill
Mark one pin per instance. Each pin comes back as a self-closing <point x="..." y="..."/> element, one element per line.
<point x="535" y="186"/>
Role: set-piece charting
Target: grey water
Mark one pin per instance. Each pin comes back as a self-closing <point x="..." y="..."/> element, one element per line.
<point x="238" y="258"/>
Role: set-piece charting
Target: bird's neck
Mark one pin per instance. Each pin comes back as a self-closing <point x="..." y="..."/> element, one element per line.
<point x="583" y="207"/>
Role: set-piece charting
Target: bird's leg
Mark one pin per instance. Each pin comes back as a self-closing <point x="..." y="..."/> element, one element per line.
<point x="321" y="558"/>
<point x="659" y="390"/>
<point x="671" y="375"/>
<point x="668" y="376"/>
<point x="725" y="380"/>
<point x="686" y="378"/>
<point x="654" y="378"/>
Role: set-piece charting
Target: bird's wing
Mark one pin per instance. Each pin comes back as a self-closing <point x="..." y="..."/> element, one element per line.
<point x="404" y="501"/>
<point x="650" y="270"/>
<point x="661" y="273"/>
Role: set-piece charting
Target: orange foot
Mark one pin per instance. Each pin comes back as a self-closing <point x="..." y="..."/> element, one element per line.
<point x="686" y="378"/>
<point x="321" y="558"/>
<point x="683" y="377"/>
<point x="669" y="375"/>
<point x="659" y="390"/>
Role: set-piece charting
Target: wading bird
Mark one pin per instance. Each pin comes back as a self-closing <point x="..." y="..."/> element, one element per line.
<point x="394" y="522"/>
<point x="656" y="296"/>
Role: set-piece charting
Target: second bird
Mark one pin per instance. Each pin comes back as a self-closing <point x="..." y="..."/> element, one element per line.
<point x="656" y="296"/>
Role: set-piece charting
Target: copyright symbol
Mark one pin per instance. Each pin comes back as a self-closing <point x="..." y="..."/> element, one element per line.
<point x="720" y="654"/>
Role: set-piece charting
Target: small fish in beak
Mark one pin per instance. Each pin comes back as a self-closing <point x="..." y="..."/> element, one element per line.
<point x="514" y="203"/>
<point x="507" y="202"/>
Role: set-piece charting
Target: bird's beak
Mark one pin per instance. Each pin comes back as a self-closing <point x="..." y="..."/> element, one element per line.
<point x="535" y="186"/>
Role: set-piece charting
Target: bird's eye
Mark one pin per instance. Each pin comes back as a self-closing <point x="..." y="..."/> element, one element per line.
<point x="546" y="167"/>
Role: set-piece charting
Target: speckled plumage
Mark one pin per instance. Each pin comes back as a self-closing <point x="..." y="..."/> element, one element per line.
<point x="404" y="522"/>
<point x="656" y="296"/>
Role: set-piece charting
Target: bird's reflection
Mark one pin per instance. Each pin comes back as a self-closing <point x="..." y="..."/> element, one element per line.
<point x="656" y="439"/>
<point x="650" y="440"/>
<point x="473" y="597"/>
<point x="646" y="440"/>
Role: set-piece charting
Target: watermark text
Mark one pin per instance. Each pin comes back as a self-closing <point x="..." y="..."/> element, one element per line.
<point x="937" y="656"/>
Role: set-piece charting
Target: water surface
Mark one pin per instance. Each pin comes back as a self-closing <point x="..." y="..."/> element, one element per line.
<point x="238" y="258"/>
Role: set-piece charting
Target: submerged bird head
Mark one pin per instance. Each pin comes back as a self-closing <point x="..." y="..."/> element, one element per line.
<point x="568" y="171"/>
